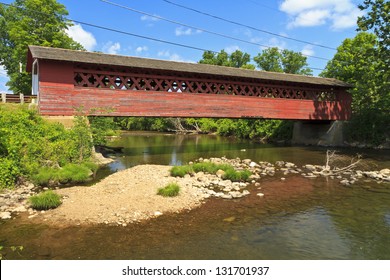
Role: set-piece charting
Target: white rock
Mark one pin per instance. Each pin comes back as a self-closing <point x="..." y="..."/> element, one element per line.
<point x="253" y="164"/>
<point x="260" y="194"/>
<point x="245" y="192"/>
<point x="385" y="171"/>
<point x="5" y="215"/>
<point x="289" y="165"/>
<point x="157" y="213"/>
<point x="19" y="209"/>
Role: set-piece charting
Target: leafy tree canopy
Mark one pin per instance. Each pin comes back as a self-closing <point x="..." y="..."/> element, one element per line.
<point x="236" y="59"/>
<point x="30" y="22"/>
<point x="275" y="60"/>
<point x="356" y="63"/>
<point x="377" y="19"/>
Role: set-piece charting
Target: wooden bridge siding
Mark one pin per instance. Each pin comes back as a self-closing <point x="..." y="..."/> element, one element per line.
<point x="62" y="101"/>
<point x="59" y="97"/>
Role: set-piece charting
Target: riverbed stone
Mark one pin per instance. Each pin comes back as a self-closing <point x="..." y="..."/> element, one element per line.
<point x="5" y="215"/>
<point x="385" y="171"/>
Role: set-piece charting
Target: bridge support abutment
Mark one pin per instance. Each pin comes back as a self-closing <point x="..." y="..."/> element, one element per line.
<point x="319" y="133"/>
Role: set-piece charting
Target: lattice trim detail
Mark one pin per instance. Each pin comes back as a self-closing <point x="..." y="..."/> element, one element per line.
<point x="146" y="82"/>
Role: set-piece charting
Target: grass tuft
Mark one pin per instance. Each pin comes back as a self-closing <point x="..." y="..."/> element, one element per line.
<point x="45" y="200"/>
<point x="170" y="190"/>
<point x="180" y="171"/>
<point x="236" y="176"/>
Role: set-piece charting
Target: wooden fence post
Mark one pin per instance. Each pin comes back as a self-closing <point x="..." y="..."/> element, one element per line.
<point x="21" y="97"/>
<point x="3" y="97"/>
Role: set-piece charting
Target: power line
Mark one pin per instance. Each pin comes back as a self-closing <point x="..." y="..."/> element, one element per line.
<point x="247" y="26"/>
<point x="200" y="29"/>
<point x="133" y="34"/>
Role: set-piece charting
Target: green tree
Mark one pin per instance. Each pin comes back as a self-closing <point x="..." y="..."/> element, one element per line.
<point x="30" y="22"/>
<point x="355" y="62"/>
<point x="236" y="59"/>
<point x="275" y="60"/>
<point x="377" y="19"/>
<point x="269" y="60"/>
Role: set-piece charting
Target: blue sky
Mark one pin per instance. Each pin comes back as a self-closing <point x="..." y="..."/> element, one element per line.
<point x="321" y="22"/>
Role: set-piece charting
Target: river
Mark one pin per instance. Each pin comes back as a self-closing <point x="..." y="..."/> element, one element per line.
<point x="298" y="218"/>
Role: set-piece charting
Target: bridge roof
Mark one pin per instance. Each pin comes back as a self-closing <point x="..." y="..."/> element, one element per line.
<point x="57" y="54"/>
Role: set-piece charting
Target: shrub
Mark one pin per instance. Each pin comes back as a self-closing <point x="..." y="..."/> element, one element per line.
<point x="9" y="172"/>
<point x="45" y="200"/>
<point x="170" y="190"/>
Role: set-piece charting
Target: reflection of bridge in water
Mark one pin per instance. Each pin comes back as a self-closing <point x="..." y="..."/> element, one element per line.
<point x="115" y="85"/>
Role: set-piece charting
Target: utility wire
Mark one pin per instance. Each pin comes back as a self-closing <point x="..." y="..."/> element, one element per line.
<point x="200" y="29"/>
<point x="247" y="26"/>
<point x="123" y="32"/>
<point x="133" y="34"/>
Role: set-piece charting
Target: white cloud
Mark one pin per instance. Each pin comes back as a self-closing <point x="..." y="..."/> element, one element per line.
<point x="310" y="18"/>
<point x="111" y="47"/>
<point x="276" y="42"/>
<point x="85" y="38"/>
<point x="231" y="49"/>
<point x="308" y="50"/>
<point x="172" y="56"/>
<point x="149" y="18"/>
<point x="340" y="14"/>
<point x="180" y="31"/>
<point x="141" y="49"/>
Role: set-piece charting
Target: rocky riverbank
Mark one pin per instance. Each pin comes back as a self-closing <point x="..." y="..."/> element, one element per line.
<point x="131" y="195"/>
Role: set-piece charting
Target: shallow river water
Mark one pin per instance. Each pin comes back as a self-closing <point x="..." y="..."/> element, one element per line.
<point x="298" y="218"/>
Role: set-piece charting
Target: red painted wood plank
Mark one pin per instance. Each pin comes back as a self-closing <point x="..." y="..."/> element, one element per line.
<point x="165" y="104"/>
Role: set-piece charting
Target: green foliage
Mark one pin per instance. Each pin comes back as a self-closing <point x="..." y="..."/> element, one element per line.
<point x="242" y="128"/>
<point x="237" y="176"/>
<point x="377" y="19"/>
<point x="102" y="127"/>
<point x="181" y="170"/>
<point x="45" y="200"/>
<point x="170" y="190"/>
<point x="9" y="172"/>
<point x="70" y="173"/>
<point x="30" y="22"/>
<point x="237" y="59"/>
<point x="355" y="63"/>
<point x="211" y="168"/>
<point x="369" y="126"/>
<point x="275" y="60"/>
<point x="29" y="144"/>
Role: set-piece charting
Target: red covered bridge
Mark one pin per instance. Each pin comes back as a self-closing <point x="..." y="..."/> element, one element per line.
<point x="114" y="85"/>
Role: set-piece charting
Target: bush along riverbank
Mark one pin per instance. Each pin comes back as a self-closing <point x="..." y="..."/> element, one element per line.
<point x="35" y="153"/>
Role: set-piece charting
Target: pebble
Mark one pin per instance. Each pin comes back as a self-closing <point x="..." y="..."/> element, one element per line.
<point x="260" y="194"/>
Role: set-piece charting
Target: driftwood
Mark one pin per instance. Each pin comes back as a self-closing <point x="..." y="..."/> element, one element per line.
<point x="332" y="157"/>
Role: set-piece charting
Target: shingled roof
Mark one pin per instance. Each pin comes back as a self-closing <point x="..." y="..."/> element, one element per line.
<point x="57" y="54"/>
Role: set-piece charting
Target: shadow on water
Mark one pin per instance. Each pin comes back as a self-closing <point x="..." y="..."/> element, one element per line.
<point x="297" y="218"/>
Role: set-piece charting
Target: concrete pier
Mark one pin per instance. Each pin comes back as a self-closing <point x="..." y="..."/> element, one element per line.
<point x="329" y="133"/>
